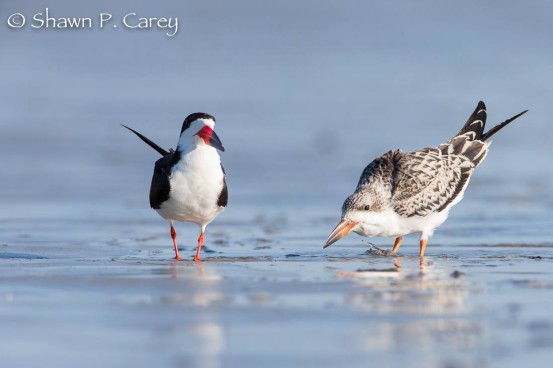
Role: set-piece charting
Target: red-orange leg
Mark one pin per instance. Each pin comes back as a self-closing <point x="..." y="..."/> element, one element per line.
<point x="422" y="247"/>
<point x="174" y="237"/>
<point x="200" y="244"/>
<point x="397" y="244"/>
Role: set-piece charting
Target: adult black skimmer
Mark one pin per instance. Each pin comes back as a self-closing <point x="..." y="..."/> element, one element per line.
<point x="401" y="193"/>
<point x="189" y="183"/>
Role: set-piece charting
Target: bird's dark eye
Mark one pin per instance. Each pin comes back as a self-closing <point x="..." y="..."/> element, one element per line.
<point x="367" y="208"/>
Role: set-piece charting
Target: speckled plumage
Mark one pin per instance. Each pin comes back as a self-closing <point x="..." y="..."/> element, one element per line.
<point x="405" y="192"/>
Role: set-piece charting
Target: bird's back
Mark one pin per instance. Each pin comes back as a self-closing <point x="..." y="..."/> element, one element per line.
<point x="431" y="179"/>
<point x="434" y="179"/>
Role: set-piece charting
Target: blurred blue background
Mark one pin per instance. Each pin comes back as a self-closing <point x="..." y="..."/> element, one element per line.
<point x="306" y="93"/>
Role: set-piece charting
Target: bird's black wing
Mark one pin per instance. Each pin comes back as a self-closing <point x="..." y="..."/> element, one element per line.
<point x="160" y="187"/>
<point x="222" y="201"/>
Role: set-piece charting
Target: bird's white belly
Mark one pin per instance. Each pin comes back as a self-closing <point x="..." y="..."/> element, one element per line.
<point x="390" y="224"/>
<point x="196" y="184"/>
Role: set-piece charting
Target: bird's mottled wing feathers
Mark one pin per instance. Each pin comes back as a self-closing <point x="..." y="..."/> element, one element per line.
<point x="430" y="179"/>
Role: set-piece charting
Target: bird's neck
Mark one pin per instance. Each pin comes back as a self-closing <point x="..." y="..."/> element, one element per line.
<point x="189" y="143"/>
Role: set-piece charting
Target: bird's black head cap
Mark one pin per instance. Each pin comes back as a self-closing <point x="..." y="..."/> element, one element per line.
<point x="193" y="117"/>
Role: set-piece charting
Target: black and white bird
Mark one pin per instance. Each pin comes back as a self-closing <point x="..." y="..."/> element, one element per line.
<point x="189" y="183"/>
<point x="401" y="193"/>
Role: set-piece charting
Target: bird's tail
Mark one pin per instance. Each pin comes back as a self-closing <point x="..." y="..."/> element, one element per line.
<point x="162" y="151"/>
<point x="498" y="127"/>
<point x="477" y="123"/>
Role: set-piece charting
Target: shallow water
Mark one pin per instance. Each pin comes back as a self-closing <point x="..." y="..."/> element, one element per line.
<point x="468" y="306"/>
<point x="306" y="94"/>
<point x="268" y="295"/>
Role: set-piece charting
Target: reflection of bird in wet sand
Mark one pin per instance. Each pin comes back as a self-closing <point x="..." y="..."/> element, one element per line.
<point x="401" y="193"/>
<point x="189" y="183"/>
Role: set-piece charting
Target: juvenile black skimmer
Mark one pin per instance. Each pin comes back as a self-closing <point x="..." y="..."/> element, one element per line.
<point x="401" y="193"/>
<point x="189" y="183"/>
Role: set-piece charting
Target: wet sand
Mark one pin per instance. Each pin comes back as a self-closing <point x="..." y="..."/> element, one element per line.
<point x="272" y="301"/>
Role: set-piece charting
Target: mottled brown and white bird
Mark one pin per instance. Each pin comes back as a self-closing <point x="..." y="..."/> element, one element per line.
<point x="189" y="183"/>
<point x="401" y="193"/>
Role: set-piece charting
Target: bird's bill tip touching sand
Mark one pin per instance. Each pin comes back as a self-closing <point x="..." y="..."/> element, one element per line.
<point x="343" y="228"/>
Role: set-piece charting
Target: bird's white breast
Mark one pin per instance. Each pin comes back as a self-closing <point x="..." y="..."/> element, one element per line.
<point x="196" y="182"/>
<point x="389" y="224"/>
